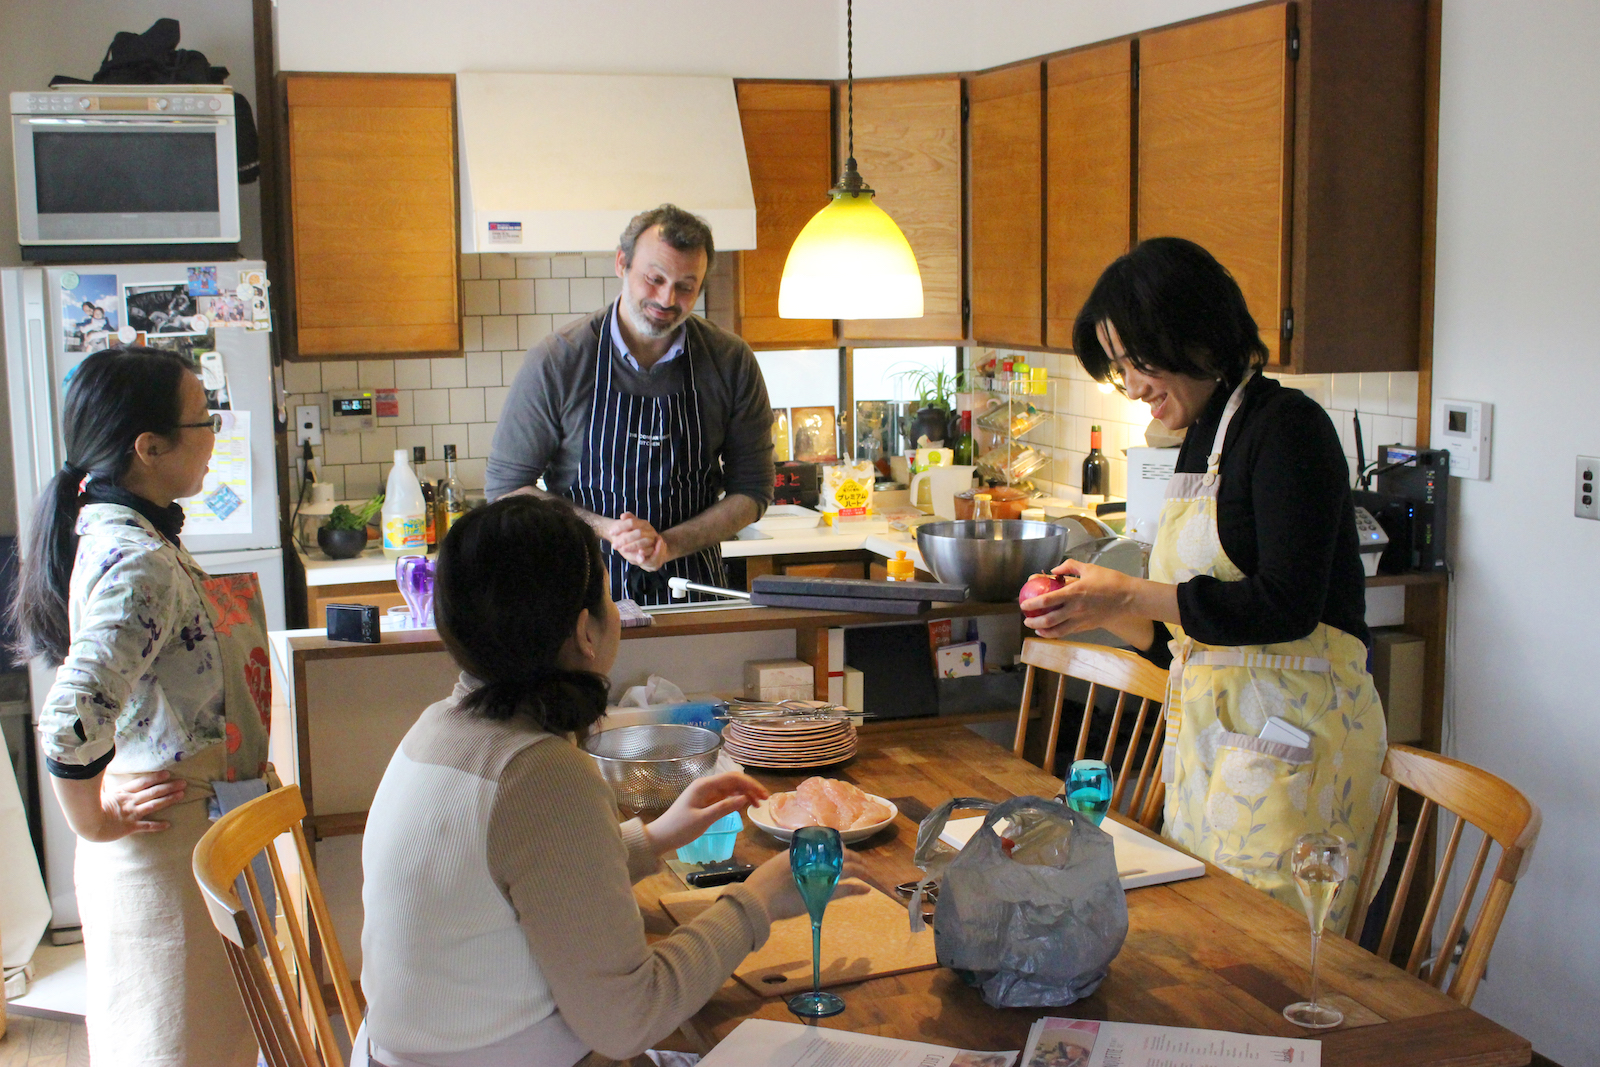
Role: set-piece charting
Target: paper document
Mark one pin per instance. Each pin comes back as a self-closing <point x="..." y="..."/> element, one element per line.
<point x="1086" y="1043"/>
<point x="1141" y="859"/>
<point x="223" y="503"/>
<point x="765" y="1043"/>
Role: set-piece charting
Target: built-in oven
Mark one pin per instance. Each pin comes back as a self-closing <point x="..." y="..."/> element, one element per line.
<point x="125" y="165"/>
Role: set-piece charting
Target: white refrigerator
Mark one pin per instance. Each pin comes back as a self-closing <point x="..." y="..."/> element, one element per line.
<point x="217" y="314"/>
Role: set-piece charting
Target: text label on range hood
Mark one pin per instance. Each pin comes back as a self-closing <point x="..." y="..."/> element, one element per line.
<point x="561" y="162"/>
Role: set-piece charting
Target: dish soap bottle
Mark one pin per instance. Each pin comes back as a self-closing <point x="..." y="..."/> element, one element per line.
<point x="405" y="528"/>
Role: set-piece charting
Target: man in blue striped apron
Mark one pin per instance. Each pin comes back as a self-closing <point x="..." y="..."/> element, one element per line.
<point x="651" y="421"/>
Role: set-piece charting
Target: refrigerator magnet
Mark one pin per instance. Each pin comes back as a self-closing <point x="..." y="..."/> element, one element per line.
<point x="203" y="281"/>
<point x="164" y="310"/>
<point x="90" y="311"/>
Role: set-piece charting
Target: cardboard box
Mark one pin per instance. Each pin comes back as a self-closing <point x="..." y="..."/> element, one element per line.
<point x="775" y="693"/>
<point x="1397" y="666"/>
<point x="762" y="675"/>
<point x="855" y="691"/>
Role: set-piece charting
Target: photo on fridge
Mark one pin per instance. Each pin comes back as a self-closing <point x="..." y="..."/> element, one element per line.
<point x="90" y="311"/>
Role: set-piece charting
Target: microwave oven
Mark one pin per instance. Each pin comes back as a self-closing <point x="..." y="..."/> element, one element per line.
<point x="104" y="165"/>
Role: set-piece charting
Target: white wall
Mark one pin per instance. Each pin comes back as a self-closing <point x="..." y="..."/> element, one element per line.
<point x="1517" y="324"/>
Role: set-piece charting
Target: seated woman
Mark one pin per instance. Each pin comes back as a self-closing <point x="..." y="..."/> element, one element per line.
<point x="501" y="926"/>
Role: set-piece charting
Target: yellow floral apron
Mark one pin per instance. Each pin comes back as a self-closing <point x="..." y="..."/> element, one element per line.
<point x="1233" y="798"/>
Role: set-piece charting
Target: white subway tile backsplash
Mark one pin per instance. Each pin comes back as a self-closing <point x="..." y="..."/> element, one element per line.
<point x="469" y="269"/>
<point x="341" y="447"/>
<point x="510" y="364"/>
<point x="466" y="406"/>
<point x="586" y="294"/>
<point x="431" y="406"/>
<point x="480" y="435"/>
<point x="413" y="374"/>
<point x="302" y="377"/>
<point x="471" y="472"/>
<point x="613" y="289"/>
<point x="449" y="373"/>
<point x="340" y="374"/>
<point x="1408" y="431"/>
<point x="377" y="446"/>
<point x="361" y="481"/>
<point x="449" y="435"/>
<point x="560" y="322"/>
<point x="334" y="476"/>
<point x="483" y="368"/>
<point x="1346" y="391"/>
<point x="1386" y="430"/>
<point x="531" y="329"/>
<point x="412" y="436"/>
<point x="517" y="296"/>
<point x="533" y="266"/>
<point x="375" y="373"/>
<point x="600" y="266"/>
<point x="1403" y="394"/>
<point x="497" y="265"/>
<point x="494" y="400"/>
<point x="472" y="333"/>
<point x="553" y="295"/>
<point x="567" y="266"/>
<point x="499" y="332"/>
<point x="1373" y="393"/>
<point x="480" y="298"/>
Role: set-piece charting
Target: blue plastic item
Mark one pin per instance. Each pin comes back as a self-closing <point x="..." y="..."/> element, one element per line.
<point x="716" y="843"/>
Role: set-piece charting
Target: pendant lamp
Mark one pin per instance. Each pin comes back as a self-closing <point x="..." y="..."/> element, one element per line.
<point x="850" y="261"/>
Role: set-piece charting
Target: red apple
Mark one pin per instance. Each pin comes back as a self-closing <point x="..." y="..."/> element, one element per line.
<point x="1039" y="585"/>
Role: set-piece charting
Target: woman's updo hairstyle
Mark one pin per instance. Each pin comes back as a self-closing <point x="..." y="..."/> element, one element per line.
<point x="114" y="397"/>
<point x="511" y="581"/>
<point x="1176" y="309"/>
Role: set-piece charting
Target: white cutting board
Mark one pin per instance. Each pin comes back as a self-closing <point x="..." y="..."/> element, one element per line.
<point x="1141" y="860"/>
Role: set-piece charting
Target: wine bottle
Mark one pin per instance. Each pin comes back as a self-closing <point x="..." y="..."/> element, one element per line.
<point x="452" y="496"/>
<point x="963" y="446"/>
<point x="419" y="460"/>
<point x="1096" y="471"/>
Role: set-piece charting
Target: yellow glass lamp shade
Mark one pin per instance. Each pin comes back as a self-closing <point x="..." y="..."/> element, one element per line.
<point x="851" y="262"/>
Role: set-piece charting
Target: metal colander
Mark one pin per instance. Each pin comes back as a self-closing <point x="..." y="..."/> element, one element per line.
<point x="647" y="766"/>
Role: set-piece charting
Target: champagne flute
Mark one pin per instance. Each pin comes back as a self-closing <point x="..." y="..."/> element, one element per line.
<point x="1089" y="788"/>
<point x="816" y="857"/>
<point x="1321" y="863"/>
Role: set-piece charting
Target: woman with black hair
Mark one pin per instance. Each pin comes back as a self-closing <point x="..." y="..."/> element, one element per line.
<point x="1256" y="596"/>
<point x="500" y="923"/>
<point x="160" y="691"/>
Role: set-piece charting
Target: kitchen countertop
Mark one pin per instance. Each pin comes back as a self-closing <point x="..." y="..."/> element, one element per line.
<point x="876" y="537"/>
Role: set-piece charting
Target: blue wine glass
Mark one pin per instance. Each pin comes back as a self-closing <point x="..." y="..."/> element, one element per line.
<point x="816" y="857"/>
<point x="1089" y="788"/>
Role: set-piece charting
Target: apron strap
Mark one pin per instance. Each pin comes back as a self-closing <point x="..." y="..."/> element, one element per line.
<point x="1260" y="660"/>
<point x="1214" y="461"/>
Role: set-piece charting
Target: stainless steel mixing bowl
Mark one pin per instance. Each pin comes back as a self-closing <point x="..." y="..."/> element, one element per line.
<point x="648" y="765"/>
<point x="993" y="557"/>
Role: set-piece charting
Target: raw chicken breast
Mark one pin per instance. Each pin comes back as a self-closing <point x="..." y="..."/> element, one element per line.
<point x="789" y="811"/>
<point x="826" y="802"/>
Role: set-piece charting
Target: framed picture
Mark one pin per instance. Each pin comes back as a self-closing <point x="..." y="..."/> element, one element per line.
<point x="815" y="438"/>
<point x="780" y="436"/>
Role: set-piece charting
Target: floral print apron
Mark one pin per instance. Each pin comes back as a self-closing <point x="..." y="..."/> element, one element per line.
<point x="1233" y="798"/>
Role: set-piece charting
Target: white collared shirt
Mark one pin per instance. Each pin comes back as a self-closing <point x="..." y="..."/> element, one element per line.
<point x="673" y="351"/>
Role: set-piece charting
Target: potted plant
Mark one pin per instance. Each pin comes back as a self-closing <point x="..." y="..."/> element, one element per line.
<point x="936" y="388"/>
<point x="344" y="535"/>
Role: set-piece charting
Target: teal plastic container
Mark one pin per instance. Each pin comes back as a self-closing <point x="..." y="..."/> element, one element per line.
<point x="716" y="843"/>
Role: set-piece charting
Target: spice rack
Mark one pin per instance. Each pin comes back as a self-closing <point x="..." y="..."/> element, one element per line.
<point x="1011" y="408"/>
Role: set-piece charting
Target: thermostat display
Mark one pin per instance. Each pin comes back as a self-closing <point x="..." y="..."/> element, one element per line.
<point x="1462" y="428"/>
<point x="351" y="412"/>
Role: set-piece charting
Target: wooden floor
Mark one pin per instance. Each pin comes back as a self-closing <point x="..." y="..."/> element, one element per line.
<point x="31" y="1042"/>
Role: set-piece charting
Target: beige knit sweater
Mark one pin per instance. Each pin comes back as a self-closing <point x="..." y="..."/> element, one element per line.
<point x="499" y="907"/>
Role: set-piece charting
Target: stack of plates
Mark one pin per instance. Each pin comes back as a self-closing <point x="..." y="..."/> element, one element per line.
<point x="784" y="743"/>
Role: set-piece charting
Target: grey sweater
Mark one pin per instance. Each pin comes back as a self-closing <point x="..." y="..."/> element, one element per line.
<point x="543" y="424"/>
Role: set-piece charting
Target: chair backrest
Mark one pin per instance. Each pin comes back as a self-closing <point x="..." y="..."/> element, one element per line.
<point x="1475" y="797"/>
<point x="286" y="1006"/>
<point x="1138" y="789"/>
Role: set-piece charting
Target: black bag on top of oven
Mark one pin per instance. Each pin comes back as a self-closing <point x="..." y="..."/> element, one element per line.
<point x="154" y="58"/>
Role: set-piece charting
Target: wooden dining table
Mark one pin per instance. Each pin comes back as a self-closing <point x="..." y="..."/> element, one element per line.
<point x="1209" y="952"/>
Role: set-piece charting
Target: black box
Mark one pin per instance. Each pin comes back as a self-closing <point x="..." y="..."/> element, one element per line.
<point x="353" y="622"/>
<point x="794" y="482"/>
<point x="1420" y="476"/>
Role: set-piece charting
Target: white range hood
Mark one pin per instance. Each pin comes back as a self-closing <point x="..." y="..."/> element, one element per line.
<point x="561" y="162"/>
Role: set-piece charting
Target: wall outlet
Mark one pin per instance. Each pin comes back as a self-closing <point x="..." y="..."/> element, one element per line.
<point x="1585" y="481"/>
<point x="308" y="424"/>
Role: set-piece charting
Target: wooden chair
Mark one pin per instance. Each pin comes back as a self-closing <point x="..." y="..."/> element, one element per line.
<point x="1128" y="675"/>
<point x="1491" y="805"/>
<point x="286" y="1008"/>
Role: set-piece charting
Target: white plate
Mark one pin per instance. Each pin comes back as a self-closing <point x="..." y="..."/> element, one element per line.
<point x="788" y="517"/>
<point x="758" y="815"/>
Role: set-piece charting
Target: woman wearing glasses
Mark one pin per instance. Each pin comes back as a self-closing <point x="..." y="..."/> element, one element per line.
<point x="1256" y="596"/>
<point x="161" y="690"/>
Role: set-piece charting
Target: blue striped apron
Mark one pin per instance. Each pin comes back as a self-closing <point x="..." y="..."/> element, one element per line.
<point x="647" y="455"/>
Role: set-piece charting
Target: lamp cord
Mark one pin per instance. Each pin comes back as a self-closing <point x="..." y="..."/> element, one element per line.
<point x="850" y="71"/>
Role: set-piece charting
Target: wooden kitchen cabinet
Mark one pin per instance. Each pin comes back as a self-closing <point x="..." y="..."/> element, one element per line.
<point x="1005" y="127"/>
<point x="1288" y="140"/>
<point x="1088" y="177"/>
<point x="908" y="148"/>
<point x="372" y="215"/>
<point x="788" y="139"/>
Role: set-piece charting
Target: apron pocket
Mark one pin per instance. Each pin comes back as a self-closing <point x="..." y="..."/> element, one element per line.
<point x="1255" y="802"/>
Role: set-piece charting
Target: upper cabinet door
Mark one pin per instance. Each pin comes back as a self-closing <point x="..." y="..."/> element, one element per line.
<point x="1215" y="119"/>
<point x="788" y="139"/>
<point x="1006" y="131"/>
<point x="1089" y="177"/>
<point x="372" y="209"/>
<point x="908" y="147"/>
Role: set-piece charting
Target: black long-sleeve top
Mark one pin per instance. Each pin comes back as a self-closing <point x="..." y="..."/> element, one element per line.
<point x="1284" y="517"/>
